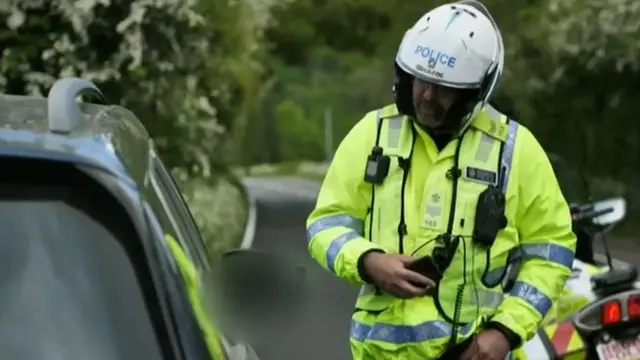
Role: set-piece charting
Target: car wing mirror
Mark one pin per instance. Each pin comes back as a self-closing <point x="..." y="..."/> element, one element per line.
<point x="253" y="280"/>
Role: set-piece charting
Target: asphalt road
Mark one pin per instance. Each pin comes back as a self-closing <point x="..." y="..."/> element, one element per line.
<point x="319" y="329"/>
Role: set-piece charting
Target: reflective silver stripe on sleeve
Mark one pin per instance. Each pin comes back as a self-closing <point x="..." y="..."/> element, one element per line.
<point x="339" y="220"/>
<point x="355" y="226"/>
<point x="335" y="246"/>
<point x="530" y="294"/>
<point x="551" y="252"/>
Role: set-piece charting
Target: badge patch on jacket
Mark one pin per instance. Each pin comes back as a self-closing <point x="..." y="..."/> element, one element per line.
<point x="432" y="212"/>
<point x="480" y="175"/>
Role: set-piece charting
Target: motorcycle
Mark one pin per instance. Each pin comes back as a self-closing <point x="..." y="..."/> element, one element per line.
<point x="610" y="324"/>
<point x="598" y="314"/>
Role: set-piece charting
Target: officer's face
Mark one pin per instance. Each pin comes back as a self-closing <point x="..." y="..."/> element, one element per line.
<point x="431" y="102"/>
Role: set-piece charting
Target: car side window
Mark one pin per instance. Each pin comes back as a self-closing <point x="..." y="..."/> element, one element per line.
<point x="178" y="213"/>
<point x="215" y="350"/>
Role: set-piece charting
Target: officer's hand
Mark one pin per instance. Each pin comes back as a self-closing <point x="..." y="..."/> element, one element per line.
<point x="389" y="272"/>
<point x="488" y="345"/>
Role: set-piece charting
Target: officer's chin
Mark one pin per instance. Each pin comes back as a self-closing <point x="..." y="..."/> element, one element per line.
<point x="432" y="125"/>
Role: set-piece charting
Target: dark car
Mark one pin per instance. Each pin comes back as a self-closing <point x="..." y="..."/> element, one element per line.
<point x="100" y="257"/>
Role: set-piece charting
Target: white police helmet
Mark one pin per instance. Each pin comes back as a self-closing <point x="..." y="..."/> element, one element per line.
<point x="457" y="45"/>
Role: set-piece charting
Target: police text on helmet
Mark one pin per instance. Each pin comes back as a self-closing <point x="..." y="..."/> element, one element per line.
<point x="436" y="56"/>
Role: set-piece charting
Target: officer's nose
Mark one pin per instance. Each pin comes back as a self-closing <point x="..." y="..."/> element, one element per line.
<point x="429" y="92"/>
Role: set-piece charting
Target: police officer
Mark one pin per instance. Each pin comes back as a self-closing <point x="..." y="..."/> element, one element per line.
<point x="445" y="211"/>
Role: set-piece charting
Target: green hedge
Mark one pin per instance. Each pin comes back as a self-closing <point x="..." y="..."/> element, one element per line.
<point x="220" y="208"/>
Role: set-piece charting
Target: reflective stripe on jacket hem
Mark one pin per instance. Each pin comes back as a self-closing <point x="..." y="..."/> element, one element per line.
<point x="403" y="334"/>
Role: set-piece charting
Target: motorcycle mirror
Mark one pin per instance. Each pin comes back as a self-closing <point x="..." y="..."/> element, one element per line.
<point x="618" y="206"/>
<point x="258" y="281"/>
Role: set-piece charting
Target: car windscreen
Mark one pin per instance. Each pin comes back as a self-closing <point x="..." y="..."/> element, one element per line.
<point x="68" y="289"/>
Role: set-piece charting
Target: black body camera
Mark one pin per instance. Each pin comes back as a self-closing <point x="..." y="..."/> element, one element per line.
<point x="377" y="167"/>
<point x="490" y="217"/>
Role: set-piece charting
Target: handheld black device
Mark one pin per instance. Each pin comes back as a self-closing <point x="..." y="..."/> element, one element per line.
<point x="426" y="266"/>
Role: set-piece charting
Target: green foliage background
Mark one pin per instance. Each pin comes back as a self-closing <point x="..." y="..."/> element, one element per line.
<point x="223" y="82"/>
<point x="187" y="68"/>
<point x="571" y="75"/>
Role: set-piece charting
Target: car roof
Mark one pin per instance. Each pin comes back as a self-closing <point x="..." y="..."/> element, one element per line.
<point x="108" y="137"/>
